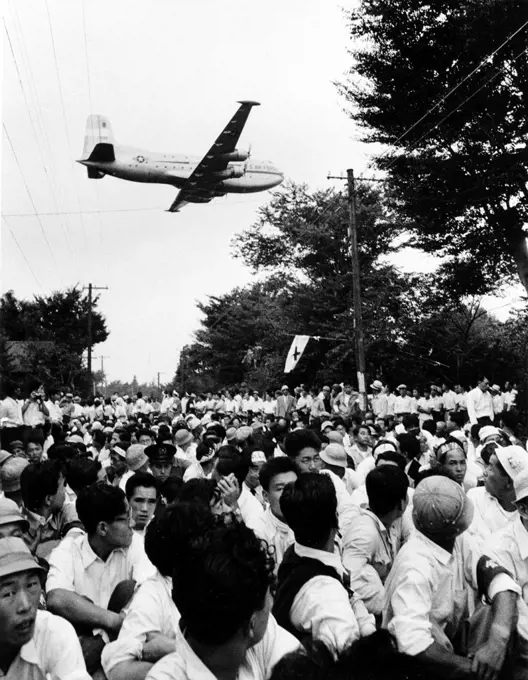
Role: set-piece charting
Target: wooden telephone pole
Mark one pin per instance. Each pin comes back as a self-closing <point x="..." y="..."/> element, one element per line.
<point x="90" y="289"/>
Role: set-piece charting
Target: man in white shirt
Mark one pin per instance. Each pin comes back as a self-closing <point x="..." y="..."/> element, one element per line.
<point x="449" y="400"/>
<point x="34" y="410"/>
<point x="480" y="404"/>
<point x="149" y="630"/>
<point x="494" y="503"/>
<point x="403" y="402"/>
<point x="346" y="401"/>
<point x="271" y="527"/>
<point x="433" y="574"/>
<point x="368" y="552"/>
<point x="53" y="406"/>
<point x="461" y="400"/>
<point x="35" y="644"/>
<point x="304" y="448"/>
<point x="497" y="399"/>
<point x="312" y="597"/>
<point x="509" y="547"/>
<point x="11" y="420"/>
<point x="86" y="570"/>
<point x="378" y="400"/>
<point x="226" y="630"/>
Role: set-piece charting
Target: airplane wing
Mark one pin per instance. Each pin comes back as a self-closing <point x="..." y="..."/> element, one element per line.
<point x="201" y="185"/>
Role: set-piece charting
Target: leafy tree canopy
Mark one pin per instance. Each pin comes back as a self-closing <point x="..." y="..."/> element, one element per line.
<point x="458" y="161"/>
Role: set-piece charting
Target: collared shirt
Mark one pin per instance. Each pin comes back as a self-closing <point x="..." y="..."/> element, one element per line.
<point x="10" y="413"/>
<point x="449" y="399"/>
<point x="346" y="510"/>
<point x="403" y="404"/>
<point x="479" y="405"/>
<point x="250" y="507"/>
<point x="259" y="661"/>
<point x="55" y="411"/>
<point x="359" y="455"/>
<point x="75" y="567"/>
<point x="498" y="403"/>
<point x="379" y="405"/>
<point x="53" y="653"/>
<point x="427" y="406"/>
<point x="51" y="528"/>
<point x="322" y="606"/>
<point x="276" y="533"/>
<point x="368" y="555"/>
<point x="33" y="415"/>
<point x="509" y="547"/>
<point x="461" y="401"/>
<point x="489" y="516"/>
<point x="151" y="611"/>
<point x="427" y="592"/>
<point x="402" y="528"/>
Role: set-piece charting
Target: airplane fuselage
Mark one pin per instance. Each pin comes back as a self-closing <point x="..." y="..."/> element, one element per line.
<point x="137" y="165"/>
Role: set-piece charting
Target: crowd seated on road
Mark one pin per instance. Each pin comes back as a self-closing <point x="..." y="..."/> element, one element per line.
<point x="286" y="534"/>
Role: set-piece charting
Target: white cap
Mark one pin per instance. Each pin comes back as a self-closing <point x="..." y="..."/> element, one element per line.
<point x="334" y="454"/>
<point x="520" y="485"/>
<point x="327" y="423"/>
<point x="488" y="431"/>
<point x="514" y="459"/>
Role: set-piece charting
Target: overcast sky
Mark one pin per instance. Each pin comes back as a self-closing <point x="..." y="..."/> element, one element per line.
<point x="167" y="73"/>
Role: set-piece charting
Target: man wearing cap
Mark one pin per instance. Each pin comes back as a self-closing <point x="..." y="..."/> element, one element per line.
<point x="494" y="502"/>
<point x="10" y="473"/>
<point x="509" y="547"/>
<point x="497" y="399"/>
<point x="480" y="404"/>
<point x="185" y="446"/>
<point x="334" y="458"/>
<point x="35" y="644"/>
<point x="136" y="460"/>
<point x="403" y="402"/>
<point x="12" y="523"/>
<point x="161" y="460"/>
<point x="427" y="589"/>
<point x="285" y="403"/>
<point x="378" y="401"/>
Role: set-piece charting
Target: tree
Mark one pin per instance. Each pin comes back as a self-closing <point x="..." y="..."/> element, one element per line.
<point x="424" y="81"/>
<point x="49" y="335"/>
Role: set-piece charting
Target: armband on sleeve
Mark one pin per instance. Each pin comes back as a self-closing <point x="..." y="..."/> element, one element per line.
<point x="487" y="570"/>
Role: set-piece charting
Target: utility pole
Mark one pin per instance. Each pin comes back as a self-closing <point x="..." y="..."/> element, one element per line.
<point x="159" y="389"/>
<point x="103" y="373"/>
<point x="91" y="288"/>
<point x="359" y="338"/>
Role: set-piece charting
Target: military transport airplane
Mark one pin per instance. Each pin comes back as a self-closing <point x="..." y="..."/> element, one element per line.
<point x="223" y="170"/>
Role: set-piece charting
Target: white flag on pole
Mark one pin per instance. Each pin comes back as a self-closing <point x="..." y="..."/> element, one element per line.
<point x="297" y="348"/>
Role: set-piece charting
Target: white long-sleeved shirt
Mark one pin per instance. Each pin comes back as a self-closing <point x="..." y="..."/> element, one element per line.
<point x="250" y="507"/>
<point x="379" y="405"/>
<point x="428" y="588"/>
<point x="10" y="413"/>
<point x="346" y="510"/>
<point x="489" y="516"/>
<point x="479" y="405"/>
<point x="403" y="404"/>
<point x="151" y="611"/>
<point x="258" y="663"/>
<point x="449" y="399"/>
<point x="323" y="609"/>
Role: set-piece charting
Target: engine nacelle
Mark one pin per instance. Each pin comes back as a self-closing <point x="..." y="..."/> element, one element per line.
<point x="235" y="156"/>
<point x="231" y="172"/>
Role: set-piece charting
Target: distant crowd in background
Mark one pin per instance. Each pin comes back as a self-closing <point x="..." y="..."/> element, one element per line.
<point x="245" y="535"/>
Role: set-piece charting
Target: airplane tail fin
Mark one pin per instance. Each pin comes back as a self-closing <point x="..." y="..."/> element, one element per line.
<point x="98" y="140"/>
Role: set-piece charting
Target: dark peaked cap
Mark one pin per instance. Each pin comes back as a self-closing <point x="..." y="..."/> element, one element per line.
<point x="160" y="453"/>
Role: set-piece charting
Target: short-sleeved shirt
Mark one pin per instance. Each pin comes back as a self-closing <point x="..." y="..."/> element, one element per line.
<point x="75" y="567"/>
<point x="184" y="664"/>
<point x="53" y="653"/>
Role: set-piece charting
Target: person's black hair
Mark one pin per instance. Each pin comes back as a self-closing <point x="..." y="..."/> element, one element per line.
<point x="220" y="580"/>
<point x="393" y="457"/>
<point x="141" y="479"/>
<point x="324" y="439"/>
<point x="81" y="472"/>
<point x="309" y="506"/>
<point x="203" y="450"/>
<point x="274" y="467"/>
<point x="359" y="427"/>
<point x="488" y="450"/>
<point x="298" y="440"/>
<point x="139" y="395"/>
<point x="170" y="530"/>
<point x="231" y="460"/>
<point x="264" y="443"/>
<point x="386" y="488"/>
<point x="382" y="442"/>
<point x="124" y="436"/>
<point x="411" y="421"/>
<point x="99" y="437"/>
<point x="409" y="445"/>
<point x="145" y="432"/>
<point x="36" y="437"/>
<point x="510" y="420"/>
<point x="217" y="429"/>
<point x="475" y="429"/>
<point x="457" y="418"/>
<point x="62" y="452"/>
<point x="429" y="426"/>
<point x="100" y="502"/>
<point x="39" y="480"/>
<point x="201" y="491"/>
<point x="170" y="488"/>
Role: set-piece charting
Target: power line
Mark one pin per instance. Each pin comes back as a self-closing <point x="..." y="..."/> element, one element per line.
<point x="440" y="101"/>
<point x="30" y="196"/>
<point x="33" y="127"/>
<point x="65" y="123"/>
<point x="415" y="144"/>
<point x="22" y="252"/>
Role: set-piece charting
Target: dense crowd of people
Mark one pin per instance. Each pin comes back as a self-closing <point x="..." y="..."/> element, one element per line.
<point x="239" y="535"/>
